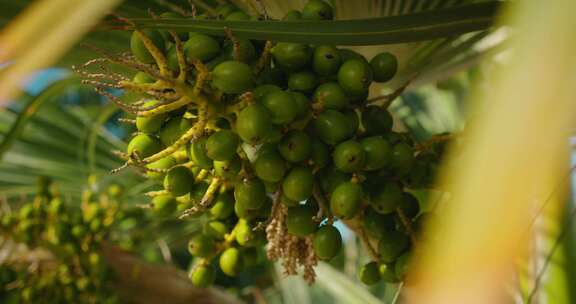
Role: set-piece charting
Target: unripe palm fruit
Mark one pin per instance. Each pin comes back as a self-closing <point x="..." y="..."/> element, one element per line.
<point x="332" y="127"/>
<point x="320" y="155"/>
<point x="199" y="154"/>
<point x="349" y="156"/>
<point x="300" y="222"/>
<point x="270" y="167"/>
<point x="262" y="90"/>
<point x="355" y="77"/>
<point x="163" y="164"/>
<point x="347" y="54"/>
<point x="201" y="246"/>
<point x="150" y="124"/>
<point x="326" y="60"/>
<point x="228" y="169"/>
<point x="370" y="273"/>
<point x="223" y="206"/>
<point x="178" y="181"/>
<point x="232" y="77"/>
<point x="327" y="242"/>
<point x="245" y="235"/>
<point x="222" y="145"/>
<point x="376" y="224"/>
<point x="250" y="193"/>
<point x="164" y="205"/>
<point x="303" y="81"/>
<point x="288" y="202"/>
<point x="391" y="245"/>
<point x="402" y="158"/>
<point x="376" y="121"/>
<point x="296" y="146"/>
<point x="377" y="152"/>
<point x="384" y="66"/>
<point x="409" y="205"/>
<point x="346" y="200"/>
<point x="317" y="10"/>
<point x="231" y="262"/>
<point x="388" y="273"/>
<point x="215" y="229"/>
<point x="174" y="129"/>
<point x="281" y="106"/>
<point x="402" y="265"/>
<point x="140" y="51"/>
<point x="202" y="276"/>
<point x="291" y="56"/>
<point x="246" y="50"/>
<point x="331" y="95"/>
<point x="331" y="178"/>
<point x="298" y="184"/>
<point x="201" y="47"/>
<point x="253" y="123"/>
<point x="142" y="77"/>
<point x="302" y="104"/>
<point x="386" y="198"/>
<point x="145" y="145"/>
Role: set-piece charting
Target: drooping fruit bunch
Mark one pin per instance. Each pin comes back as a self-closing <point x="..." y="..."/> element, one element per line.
<point x="62" y="260"/>
<point x="270" y="143"/>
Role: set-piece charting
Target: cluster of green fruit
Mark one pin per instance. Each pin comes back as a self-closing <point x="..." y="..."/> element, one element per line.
<point x="62" y="262"/>
<point x="233" y="128"/>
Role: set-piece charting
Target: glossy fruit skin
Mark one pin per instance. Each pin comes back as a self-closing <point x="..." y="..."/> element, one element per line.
<point x="317" y="10"/>
<point x="139" y="50"/>
<point x="250" y="193"/>
<point x="402" y="158"/>
<point x="223" y="206"/>
<point x="245" y="235"/>
<point x="331" y="95"/>
<point x="228" y="169"/>
<point x="150" y="124"/>
<point x="376" y="121"/>
<point x="222" y="145"/>
<point x="253" y="123"/>
<point x="384" y="66"/>
<point x="163" y="163"/>
<point x="178" y="181"/>
<point x="355" y="77"/>
<point x="386" y="198"/>
<point x="392" y="245"/>
<point x="173" y="129"/>
<point x="296" y="146"/>
<point x="327" y="242"/>
<point x="346" y="200"/>
<point x="299" y="221"/>
<point x="201" y="47"/>
<point x="164" y="205"/>
<point x="232" y="77"/>
<point x="377" y="151"/>
<point x="270" y="167"/>
<point x="203" y="276"/>
<point x="216" y="229"/>
<point x="332" y="127"/>
<point x="349" y="156"/>
<point x="145" y="145"/>
<point x="297" y="185"/>
<point x="201" y="246"/>
<point x="199" y="155"/>
<point x="376" y="224"/>
<point x="370" y="273"/>
<point x="291" y="56"/>
<point x="388" y="273"/>
<point x="231" y="262"/>
<point x="320" y="155"/>
<point x="281" y="105"/>
<point x="326" y="60"/>
<point x="262" y="90"/>
<point x="303" y="81"/>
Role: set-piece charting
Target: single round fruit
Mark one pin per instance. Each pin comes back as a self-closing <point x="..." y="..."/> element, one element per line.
<point x="327" y="242"/>
<point x="262" y="90"/>
<point x="326" y="60"/>
<point x="388" y="273"/>
<point x="270" y="167"/>
<point x="298" y="184"/>
<point x="164" y="205"/>
<point x="332" y="127"/>
<point x="250" y="193"/>
<point x="174" y="129"/>
<point x="346" y="200"/>
<point x="201" y="47"/>
<point x="386" y="198"/>
<point x="392" y="245"/>
<point x="223" y="206"/>
<point x="376" y="224"/>
<point x="202" y="276"/>
<point x="376" y="121"/>
<point x="145" y="145"/>
<point x="291" y="56"/>
<point x="355" y="77"/>
<point x="199" y="155"/>
<point x="163" y="164"/>
<point x="402" y="158"/>
<point x="300" y="222"/>
<point x="232" y="77"/>
<point x="228" y="169"/>
<point x="245" y="235"/>
<point x="253" y="123"/>
<point x="402" y="265"/>
<point x="231" y="262"/>
<point x="384" y="66"/>
<point x="150" y="124"/>
<point x="178" y="181"/>
<point x="216" y="229"/>
<point x="296" y="146"/>
<point x="377" y="152"/>
<point x="349" y="156"/>
<point x="281" y="106"/>
<point x="139" y="49"/>
<point x="331" y="95"/>
<point x="303" y="81"/>
<point x="201" y="246"/>
<point x="370" y="273"/>
<point x="222" y="145"/>
<point x="317" y="10"/>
